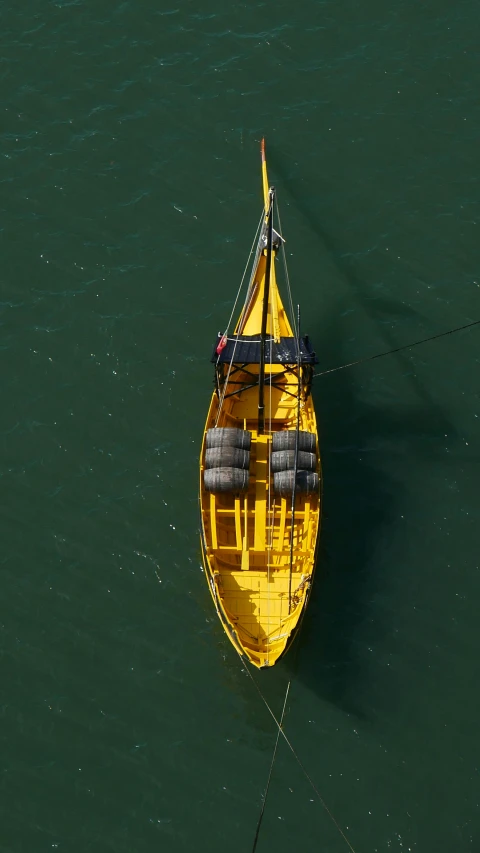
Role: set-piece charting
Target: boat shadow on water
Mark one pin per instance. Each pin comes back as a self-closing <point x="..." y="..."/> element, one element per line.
<point x="362" y="500"/>
<point x="359" y="506"/>
<point x="363" y="497"/>
<point x="362" y="504"/>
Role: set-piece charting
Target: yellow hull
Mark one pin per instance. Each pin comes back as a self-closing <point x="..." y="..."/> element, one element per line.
<point x="258" y="554"/>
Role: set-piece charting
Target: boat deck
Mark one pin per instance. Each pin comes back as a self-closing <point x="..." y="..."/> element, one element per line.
<point x="259" y="602"/>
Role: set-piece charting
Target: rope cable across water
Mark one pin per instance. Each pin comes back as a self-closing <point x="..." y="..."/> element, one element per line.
<point x="297" y="758"/>
<point x="274" y="755"/>
<point x="398" y="349"/>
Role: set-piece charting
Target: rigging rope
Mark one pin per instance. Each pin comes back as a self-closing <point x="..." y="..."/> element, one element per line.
<point x="295" y="465"/>
<point x="244" y="272"/>
<point x="245" y="309"/>
<point x="264" y="800"/>
<point x="271" y="515"/>
<point x="287" y="277"/>
<point x="398" y="349"/>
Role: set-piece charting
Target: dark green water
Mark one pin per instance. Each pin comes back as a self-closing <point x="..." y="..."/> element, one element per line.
<point x="130" y="191"/>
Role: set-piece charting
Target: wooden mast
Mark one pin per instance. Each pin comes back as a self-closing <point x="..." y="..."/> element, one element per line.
<point x="263" y="333"/>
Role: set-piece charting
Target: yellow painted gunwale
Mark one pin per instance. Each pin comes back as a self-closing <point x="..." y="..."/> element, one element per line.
<point x="246" y="538"/>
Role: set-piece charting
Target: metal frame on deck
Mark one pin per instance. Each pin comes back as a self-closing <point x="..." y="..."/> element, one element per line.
<point x="271" y="379"/>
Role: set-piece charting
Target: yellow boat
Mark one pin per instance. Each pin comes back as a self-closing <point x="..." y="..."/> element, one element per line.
<point x="260" y="473"/>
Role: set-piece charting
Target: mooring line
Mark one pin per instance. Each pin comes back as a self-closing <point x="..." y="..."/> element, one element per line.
<point x="280" y="731"/>
<point x="398" y="349"/>
<point x="262" y="810"/>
